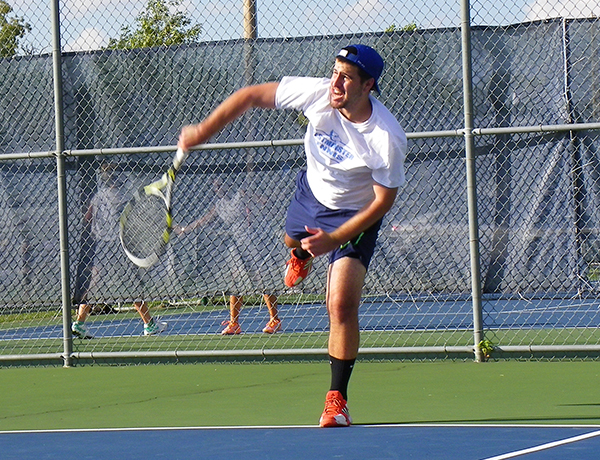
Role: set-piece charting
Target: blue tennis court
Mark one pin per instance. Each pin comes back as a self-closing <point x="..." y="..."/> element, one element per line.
<point x="420" y="442"/>
<point x="311" y="317"/>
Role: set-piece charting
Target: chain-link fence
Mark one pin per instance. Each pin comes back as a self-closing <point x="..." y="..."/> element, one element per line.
<point x="491" y="247"/>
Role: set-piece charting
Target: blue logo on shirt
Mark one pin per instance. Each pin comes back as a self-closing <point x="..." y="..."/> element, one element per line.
<point x="332" y="146"/>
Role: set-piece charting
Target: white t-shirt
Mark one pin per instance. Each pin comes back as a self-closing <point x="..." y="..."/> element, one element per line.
<point x="107" y="205"/>
<point x="344" y="159"/>
<point x="233" y="212"/>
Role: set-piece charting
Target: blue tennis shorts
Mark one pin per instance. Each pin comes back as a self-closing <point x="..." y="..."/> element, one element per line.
<point x="306" y="210"/>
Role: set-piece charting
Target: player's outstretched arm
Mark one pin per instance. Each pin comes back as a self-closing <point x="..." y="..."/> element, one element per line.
<point x="262" y="96"/>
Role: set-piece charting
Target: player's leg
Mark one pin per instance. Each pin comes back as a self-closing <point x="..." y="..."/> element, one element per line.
<point x="151" y="326"/>
<point x="300" y="214"/>
<point x="274" y="323"/>
<point x="142" y="309"/>
<point x="78" y="327"/>
<point x="344" y="287"/>
<point x="232" y="327"/>
<point x="83" y="312"/>
<point x="235" y="307"/>
<point x="271" y="302"/>
<point x="347" y="269"/>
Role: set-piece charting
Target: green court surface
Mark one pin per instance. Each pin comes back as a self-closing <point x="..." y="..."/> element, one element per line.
<point x="284" y="394"/>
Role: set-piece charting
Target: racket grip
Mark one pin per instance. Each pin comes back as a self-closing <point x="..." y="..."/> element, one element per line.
<point x="180" y="156"/>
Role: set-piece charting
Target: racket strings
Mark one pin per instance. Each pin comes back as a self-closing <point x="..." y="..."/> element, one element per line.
<point x="144" y="226"/>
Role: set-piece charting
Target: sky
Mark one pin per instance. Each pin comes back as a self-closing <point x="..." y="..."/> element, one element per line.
<point x="89" y="24"/>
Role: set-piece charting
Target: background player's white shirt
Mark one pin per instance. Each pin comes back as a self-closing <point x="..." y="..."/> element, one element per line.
<point x="107" y="205"/>
<point x="344" y="158"/>
<point x="233" y="212"/>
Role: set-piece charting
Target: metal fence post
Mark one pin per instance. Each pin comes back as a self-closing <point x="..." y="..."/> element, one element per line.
<point x="471" y="181"/>
<point x="61" y="185"/>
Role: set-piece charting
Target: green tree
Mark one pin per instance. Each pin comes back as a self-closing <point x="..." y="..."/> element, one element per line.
<point x="158" y="25"/>
<point x="11" y="31"/>
<point x="407" y="28"/>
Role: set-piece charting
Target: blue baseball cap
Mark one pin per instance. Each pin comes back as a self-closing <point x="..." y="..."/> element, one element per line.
<point x="366" y="58"/>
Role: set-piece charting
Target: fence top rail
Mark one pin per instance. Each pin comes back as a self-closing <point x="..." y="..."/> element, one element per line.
<point x="291" y="142"/>
<point x="536" y="129"/>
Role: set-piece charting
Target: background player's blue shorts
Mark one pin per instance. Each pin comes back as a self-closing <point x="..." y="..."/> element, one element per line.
<point x="306" y="210"/>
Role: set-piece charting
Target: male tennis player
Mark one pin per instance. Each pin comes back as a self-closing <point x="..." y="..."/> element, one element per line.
<point x="355" y="152"/>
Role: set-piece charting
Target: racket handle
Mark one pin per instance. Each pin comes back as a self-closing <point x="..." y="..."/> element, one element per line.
<point x="180" y="156"/>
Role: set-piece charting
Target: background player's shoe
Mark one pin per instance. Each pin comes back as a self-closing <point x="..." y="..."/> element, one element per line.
<point x="154" y="327"/>
<point x="80" y="331"/>
<point x="233" y="328"/>
<point x="297" y="270"/>
<point x="336" y="411"/>
<point x="272" y="326"/>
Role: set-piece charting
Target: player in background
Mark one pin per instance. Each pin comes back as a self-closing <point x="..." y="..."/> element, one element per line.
<point x="233" y="209"/>
<point x="103" y="216"/>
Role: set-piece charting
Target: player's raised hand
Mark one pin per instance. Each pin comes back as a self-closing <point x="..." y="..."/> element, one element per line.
<point x="190" y="136"/>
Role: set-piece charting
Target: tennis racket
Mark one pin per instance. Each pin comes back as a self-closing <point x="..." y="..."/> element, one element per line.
<point x="146" y="221"/>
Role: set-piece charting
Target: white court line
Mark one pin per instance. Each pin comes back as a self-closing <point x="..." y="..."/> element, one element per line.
<point x="275" y="427"/>
<point x="158" y="428"/>
<point x="545" y="446"/>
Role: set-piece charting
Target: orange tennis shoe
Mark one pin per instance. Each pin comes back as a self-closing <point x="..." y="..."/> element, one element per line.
<point x="297" y="270"/>
<point x="233" y="328"/>
<point x="272" y="326"/>
<point x="336" y="411"/>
